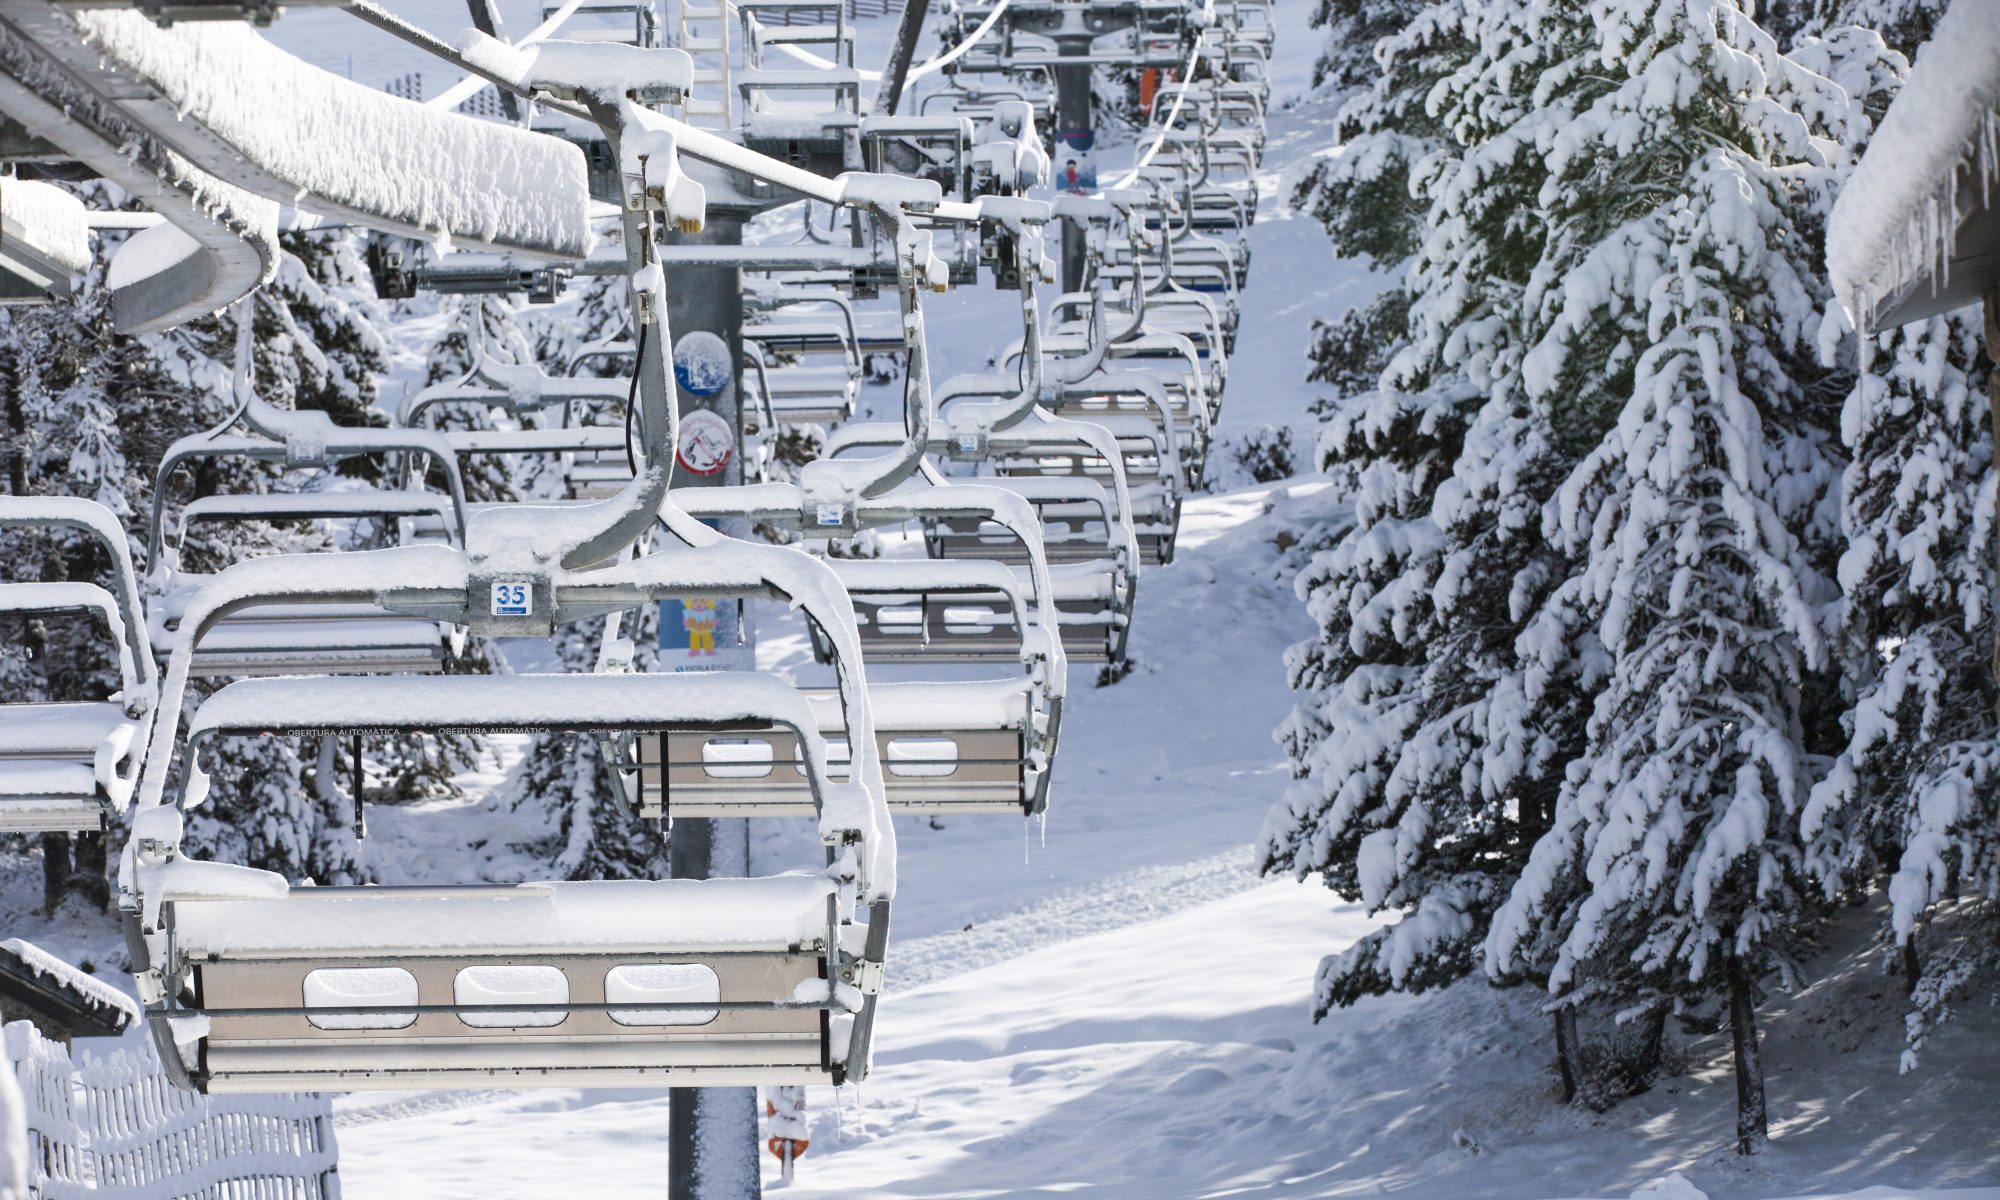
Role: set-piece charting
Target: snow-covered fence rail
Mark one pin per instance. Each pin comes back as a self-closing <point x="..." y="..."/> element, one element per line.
<point x="48" y="1094"/>
<point x="113" y="1127"/>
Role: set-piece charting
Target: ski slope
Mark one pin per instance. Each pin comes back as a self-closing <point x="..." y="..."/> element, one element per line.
<point x="1112" y="1004"/>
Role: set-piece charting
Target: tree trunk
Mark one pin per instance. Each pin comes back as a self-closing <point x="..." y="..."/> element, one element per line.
<point x="1751" y="1129"/>
<point x="55" y="870"/>
<point x="1652" y="1044"/>
<point x="17" y="424"/>
<point x="1993" y="415"/>
<point x="87" y="870"/>
<point x="1569" y="1054"/>
<point x="1913" y="966"/>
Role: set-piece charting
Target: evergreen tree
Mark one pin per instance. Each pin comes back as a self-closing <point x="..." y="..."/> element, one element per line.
<point x="1427" y="753"/>
<point x="1914" y="796"/>
<point x="477" y="325"/>
<point x="62" y="439"/>
<point x="1679" y="297"/>
<point x="596" y="838"/>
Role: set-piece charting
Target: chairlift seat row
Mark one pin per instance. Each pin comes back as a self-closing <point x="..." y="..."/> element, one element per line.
<point x="898" y="623"/>
<point x="65" y="765"/>
<point x="974" y="747"/>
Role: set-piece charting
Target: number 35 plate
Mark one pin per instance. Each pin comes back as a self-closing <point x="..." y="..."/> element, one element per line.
<point x="513" y="598"/>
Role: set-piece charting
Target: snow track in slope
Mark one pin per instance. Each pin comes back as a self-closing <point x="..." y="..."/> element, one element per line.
<point x="1145" y="894"/>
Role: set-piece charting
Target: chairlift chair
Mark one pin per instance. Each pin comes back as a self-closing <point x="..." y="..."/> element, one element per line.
<point x="285" y="638"/>
<point x="253" y="984"/>
<point x="595" y="459"/>
<point x="281" y="639"/>
<point x="65" y="766"/>
<point x="268" y="987"/>
<point x="961" y="746"/>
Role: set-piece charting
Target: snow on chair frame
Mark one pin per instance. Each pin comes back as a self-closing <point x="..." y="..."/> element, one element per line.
<point x="963" y="746"/>
<point x="277" y="638"/>
<point x="180" y="118"/>
<point x="65" y="766"/>
<point x="603" y="983"/>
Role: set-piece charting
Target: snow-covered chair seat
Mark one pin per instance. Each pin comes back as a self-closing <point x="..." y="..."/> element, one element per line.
<point x="803" y="333"/>
<point x="873" y="331"/>
<point x="650" y="983"/>
<point x="1196" y="316"/>
<point x="1170" y="359"/>
<point x="64" y="766"/>
<point x="1216" y="278"/>
<point x="269" y="987"/>
<point x="803" y="395"/>
<point x="1120" y="400"/>
<point x="1200" y="262"/>
<point x="287" y="638"/>
<point x="935" y="612"/>
<point x="970" y="747"/>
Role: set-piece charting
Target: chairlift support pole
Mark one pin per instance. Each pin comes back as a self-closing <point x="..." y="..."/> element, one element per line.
<point x="486" y="19"/>
<point x="712" y="1140"/>
<point x="895" y="73"/>
<point x="1073" y="118"/>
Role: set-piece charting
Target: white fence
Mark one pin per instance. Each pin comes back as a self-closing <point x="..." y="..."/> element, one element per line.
<point x="110" y="1126"/>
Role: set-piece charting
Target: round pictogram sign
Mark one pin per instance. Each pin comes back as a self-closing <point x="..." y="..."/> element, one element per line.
<point x="702" y="366"/>
<point x="707" y="443"/>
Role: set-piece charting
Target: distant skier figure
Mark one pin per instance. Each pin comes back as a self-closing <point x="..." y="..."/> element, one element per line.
<point x="698" y="618"/>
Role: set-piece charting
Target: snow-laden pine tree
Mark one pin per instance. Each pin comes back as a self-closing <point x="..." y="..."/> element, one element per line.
<point x="560" y="775"/>
<point x="1427" y="761"/>
<point x="1913" y="799"/>
<point x="1680" y="296"/>
<point x="1385" y="136"/>
<point x="61" y="439"/>
<point x="477" y="326"/>
<point x="1903" y="24"/>
<point x="1356" y="31"/>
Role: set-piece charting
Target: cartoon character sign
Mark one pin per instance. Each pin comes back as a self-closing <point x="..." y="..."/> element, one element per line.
<point x="698" y="618"/>
<point x="1079" y="176"/>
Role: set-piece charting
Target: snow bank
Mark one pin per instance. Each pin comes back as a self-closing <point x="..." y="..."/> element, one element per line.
<point x="1935" y="155"/>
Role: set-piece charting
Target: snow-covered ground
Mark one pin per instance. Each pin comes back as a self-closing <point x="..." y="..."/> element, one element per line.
<point x="1114" y="1005"/>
